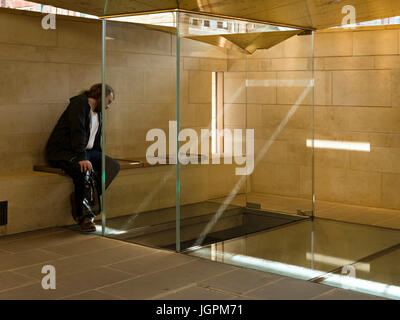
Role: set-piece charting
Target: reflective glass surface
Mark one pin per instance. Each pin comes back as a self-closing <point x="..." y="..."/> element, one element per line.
<point x="362" y="258"/>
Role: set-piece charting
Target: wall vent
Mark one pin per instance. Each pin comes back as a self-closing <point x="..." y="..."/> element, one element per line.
<point x="3" y="212"/>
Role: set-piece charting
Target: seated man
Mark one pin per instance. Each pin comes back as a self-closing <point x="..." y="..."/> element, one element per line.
<point x="74" y="146"/>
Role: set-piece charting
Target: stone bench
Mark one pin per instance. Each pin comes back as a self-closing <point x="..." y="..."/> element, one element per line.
<point x="124" y="164"/>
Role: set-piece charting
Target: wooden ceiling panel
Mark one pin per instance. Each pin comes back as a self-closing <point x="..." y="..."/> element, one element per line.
<point x="328" y="13"/>
<point x="285" y="12"/>
<point x="128" y="6"/>
<point x="316" y="14"/>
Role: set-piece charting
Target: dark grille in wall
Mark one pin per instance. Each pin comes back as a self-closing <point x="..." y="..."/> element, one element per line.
<point x="3" y="213"/>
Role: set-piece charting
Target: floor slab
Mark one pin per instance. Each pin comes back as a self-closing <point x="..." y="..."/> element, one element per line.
<point x="288" y="289"/>
<point x="166" y="281"/>
<point x="198" y="293"/>
<point x="87" y="261"/>
<point x="339" y="294"/>
<point x="96" y="268"/>
<point x="240" y="280"/>
<point x="154" y="263"/>
<point x="67" y="285"/>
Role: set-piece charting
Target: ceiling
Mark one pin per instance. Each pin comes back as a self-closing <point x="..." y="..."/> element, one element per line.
<point x="307" y="14"/>
<point x="301" y="14"/>
<point x="244" y="42"/>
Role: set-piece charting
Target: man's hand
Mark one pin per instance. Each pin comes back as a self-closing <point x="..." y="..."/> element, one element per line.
<point x="85" y="166"/>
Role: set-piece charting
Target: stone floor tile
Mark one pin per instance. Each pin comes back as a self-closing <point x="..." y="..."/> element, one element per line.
<point x="155" y="262"/>
<point x="164" y="281"/>
<point x="339" y="294"/>
<point x="9" y="279"/>
<point x="12" y="261"/>
<point x="91" y="295"/>
<point x="243" y="298"/>
<point x="83" y="246"/>
<point x="240" y="280"/>
<point x="88" y="261"/>
<point x="144" y="287"/>
<point x="52" y="239"/>
<point x="197" y="293"/>
<point x="288" y="289"/>
<point x="66" y="286"/>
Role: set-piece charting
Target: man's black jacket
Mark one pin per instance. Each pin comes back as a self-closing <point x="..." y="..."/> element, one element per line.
<point x="71" y="134"/>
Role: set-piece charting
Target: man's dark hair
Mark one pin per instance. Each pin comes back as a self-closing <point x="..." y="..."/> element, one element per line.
<point x="95" y="92"/>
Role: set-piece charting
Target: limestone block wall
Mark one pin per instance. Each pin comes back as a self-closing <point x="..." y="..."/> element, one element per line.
<point x="360" y="103"/>
<point x="269" y="92"/>
<point x="356" y="99"/>
<point x="35" y="201"/>
<point x="41" y="69"/>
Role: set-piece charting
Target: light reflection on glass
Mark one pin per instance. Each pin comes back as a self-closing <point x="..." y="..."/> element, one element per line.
<point x="339" y="145"/>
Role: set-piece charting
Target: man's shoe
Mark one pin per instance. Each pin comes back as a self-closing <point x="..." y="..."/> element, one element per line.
<point x="87" y="225"/>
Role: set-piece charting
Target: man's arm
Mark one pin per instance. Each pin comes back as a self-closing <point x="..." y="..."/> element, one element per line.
<point x="76" y="117"/>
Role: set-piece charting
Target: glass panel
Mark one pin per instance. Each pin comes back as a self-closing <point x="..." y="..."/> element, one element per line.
<point x="353" y="240"/>
<point x="202" y="180"/>
<point x="356" y="153"/>
<point x="213" y="113"/>
<point x="279" y="100"/>
<point x="361" y="259"/>
<point x="140" y="65"/>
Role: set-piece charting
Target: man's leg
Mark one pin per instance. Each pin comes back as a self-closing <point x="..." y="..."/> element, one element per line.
<point x="74" y="171"/>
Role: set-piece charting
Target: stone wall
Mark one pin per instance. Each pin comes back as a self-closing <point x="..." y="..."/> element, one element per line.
<point x="270" y="92"/>
<point x="360" y="102"/>
<point x="356" y="99"/>
<point x="41" y="69"/>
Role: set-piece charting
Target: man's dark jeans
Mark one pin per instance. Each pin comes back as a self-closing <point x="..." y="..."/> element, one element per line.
<point x="73" y="169"/>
